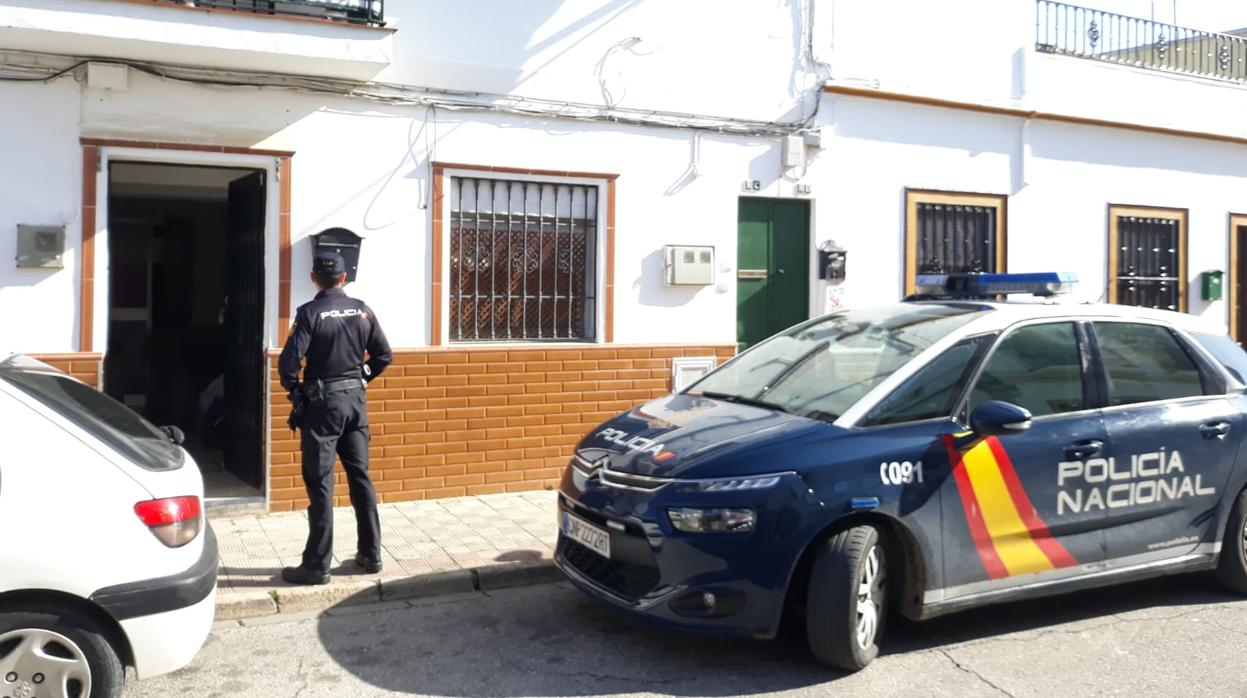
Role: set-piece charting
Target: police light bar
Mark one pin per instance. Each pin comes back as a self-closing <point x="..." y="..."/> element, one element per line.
<point x="1047" y="283"/>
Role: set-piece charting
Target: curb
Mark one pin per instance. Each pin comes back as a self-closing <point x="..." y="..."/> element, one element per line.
<point x="301" y="600"/>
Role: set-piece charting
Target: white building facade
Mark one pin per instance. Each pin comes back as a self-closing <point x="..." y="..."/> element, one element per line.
<point x="521" y="175"/>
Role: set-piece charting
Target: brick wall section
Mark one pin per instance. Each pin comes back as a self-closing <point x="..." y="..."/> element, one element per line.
<point x="84" y="367"/>
<point x="449" y="422"/>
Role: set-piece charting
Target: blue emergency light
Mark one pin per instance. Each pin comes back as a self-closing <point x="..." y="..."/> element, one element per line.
<point x="1048" y="283"/>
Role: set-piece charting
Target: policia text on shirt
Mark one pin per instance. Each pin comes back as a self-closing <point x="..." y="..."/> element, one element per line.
<point x="333" y="332"/>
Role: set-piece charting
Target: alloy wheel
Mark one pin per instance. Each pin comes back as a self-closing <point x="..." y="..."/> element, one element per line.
<point x="35" y="663"/>
<point x="870" y="597"/>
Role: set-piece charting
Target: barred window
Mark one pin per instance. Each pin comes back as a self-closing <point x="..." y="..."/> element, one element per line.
<point x="1147" y="250"/>
<point x="523" y="260"/>
<point x="948" y="232"/>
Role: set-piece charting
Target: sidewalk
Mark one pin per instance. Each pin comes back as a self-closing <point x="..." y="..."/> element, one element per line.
<point x="429" y="548"/>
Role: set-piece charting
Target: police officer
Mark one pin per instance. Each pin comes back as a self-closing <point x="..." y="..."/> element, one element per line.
<point x="333" y="332"/>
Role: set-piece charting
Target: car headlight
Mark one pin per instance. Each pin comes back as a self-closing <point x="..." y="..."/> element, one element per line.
<point x="735" y="484"/>
<point x="716" y="520"/>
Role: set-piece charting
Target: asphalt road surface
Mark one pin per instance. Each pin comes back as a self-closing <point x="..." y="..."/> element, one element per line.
<point x="1169" y="637"/>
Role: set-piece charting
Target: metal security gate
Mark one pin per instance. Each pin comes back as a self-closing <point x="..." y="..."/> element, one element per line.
<point x="1147" y="265"/>
<point x="523" y="260"/>
<point x="956" y="238"/>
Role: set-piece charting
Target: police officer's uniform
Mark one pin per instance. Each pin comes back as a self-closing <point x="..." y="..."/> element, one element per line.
<point x="333" y="331"/>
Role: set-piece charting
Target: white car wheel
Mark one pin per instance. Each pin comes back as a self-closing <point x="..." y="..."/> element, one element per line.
<point x="56" y="654"/>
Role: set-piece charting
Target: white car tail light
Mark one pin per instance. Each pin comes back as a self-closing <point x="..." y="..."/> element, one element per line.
<point x="175" y="520"/>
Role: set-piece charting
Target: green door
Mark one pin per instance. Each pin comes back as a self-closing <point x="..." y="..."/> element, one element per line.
<point x="772" y="267"/>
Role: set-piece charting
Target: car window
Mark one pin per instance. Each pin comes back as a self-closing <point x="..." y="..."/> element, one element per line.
<point x="1144" y="363"/>
<point x="1038" y="367"/>
<point x="932" y="390"/>
<point x="821" y="368"/>
<point x="1227" y="352"/>
<point x="101" y="416"/>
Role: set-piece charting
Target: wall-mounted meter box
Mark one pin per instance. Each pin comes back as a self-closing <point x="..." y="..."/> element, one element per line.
<point x="40" y="246"/>
<point x="689" y="264"/>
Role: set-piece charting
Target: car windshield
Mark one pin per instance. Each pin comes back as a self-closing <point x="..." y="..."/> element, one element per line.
<point x="101" y="416"/>
<point x="820" y="368"/>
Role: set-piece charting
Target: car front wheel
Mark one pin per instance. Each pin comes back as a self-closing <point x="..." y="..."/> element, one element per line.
<point x="847" y="598"/>
<point x="56" y="653"/>
<point x="1232" y="568"/>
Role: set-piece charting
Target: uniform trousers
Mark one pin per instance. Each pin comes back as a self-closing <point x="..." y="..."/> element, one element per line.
<point x="337" y="425"/>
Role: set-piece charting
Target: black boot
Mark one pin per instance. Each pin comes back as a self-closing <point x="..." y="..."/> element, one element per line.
<point x="302" y="575"/>
<point x="368" y="565"/>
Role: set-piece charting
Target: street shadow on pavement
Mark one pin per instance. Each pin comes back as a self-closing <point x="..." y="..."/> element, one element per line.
<point x="243" y="577"/>
<point x="551" y="640"/>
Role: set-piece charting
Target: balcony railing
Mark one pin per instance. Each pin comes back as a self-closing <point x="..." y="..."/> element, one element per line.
<point x="369" y="12"/>
<point x="1103" y="36"/>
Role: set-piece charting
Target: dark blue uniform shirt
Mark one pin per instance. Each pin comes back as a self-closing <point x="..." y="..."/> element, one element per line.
<point x="333" y="331"/>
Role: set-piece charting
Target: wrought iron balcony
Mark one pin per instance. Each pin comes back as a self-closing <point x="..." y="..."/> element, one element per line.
<point x="367" y="12"/>
<point x="1103" y="36"/>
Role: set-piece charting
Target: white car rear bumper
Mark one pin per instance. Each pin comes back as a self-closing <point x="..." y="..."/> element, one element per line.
<point x="165" y="642"/>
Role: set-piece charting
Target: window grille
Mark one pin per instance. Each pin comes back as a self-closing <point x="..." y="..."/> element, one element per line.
<point x="955" y="238"/>
<point x="950" y="232"/>
<point x="1147" y="269"/>
<point x="523" y="260"/>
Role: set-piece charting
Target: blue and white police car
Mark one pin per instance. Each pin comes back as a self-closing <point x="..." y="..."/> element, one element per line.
<point x="945" y="452"/>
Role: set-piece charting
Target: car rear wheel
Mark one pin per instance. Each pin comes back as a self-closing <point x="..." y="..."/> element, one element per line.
<point x="50" y="652"/>
<point x="1232" y="567"/>
<point x="847" y="598"/>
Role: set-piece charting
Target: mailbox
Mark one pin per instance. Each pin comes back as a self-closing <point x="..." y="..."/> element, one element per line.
<point x="1210" y="285"/>
<point x="342" y="241"/>
<point x="832" y="260"/>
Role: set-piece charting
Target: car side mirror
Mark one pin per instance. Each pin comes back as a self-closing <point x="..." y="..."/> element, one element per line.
<point x="175" y="434"/>
<point x="996" y="418"/>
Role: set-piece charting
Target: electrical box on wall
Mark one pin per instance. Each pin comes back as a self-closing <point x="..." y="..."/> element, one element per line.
<point x="689" y="264"/>
<point x="40" y="246"/>
<point x="794" y="151"/>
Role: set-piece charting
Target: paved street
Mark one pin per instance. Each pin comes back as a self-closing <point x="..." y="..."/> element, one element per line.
<point x="1163" y="638"/>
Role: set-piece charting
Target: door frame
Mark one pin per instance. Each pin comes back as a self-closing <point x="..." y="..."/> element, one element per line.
<point x="812" y="295"/>
<point x="1234" y="221"/>
<point x="94" y="303"/>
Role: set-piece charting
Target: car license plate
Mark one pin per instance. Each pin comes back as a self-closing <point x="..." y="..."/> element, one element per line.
<point x="596" y="539"/>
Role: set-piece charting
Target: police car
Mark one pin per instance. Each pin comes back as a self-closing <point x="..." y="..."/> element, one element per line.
<point x="106" y="560"/>
<point x="942" y="453"/>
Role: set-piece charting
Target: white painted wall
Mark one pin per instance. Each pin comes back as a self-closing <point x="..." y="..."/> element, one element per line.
<point x="40" y="184"/>
<point x="735" y="58"/>
<point x="366" y="167"/>
<point x="983" y="51"/>
<point x="1060" y="180"/>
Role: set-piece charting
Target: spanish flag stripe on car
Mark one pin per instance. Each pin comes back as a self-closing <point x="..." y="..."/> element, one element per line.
<point x="1009" y="535"/>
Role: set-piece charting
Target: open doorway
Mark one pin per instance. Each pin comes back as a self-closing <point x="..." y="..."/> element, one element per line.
<point x="186" y="311"/>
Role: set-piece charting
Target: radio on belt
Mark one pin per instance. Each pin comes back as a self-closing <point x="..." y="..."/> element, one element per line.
<point x="966" y="285"/>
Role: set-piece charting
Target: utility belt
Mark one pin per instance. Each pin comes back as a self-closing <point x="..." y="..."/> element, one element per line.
<point x="318" y="389"/>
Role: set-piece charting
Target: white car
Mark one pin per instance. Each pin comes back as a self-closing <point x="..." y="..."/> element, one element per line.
<point x="106" y="559"/>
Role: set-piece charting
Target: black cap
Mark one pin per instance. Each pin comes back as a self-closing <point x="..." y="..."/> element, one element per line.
<point x="327" y="262"/>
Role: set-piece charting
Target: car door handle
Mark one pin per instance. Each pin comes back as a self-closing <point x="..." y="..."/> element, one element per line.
<point x="1081" y="450"/>
<point x="1214" y="430"/>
